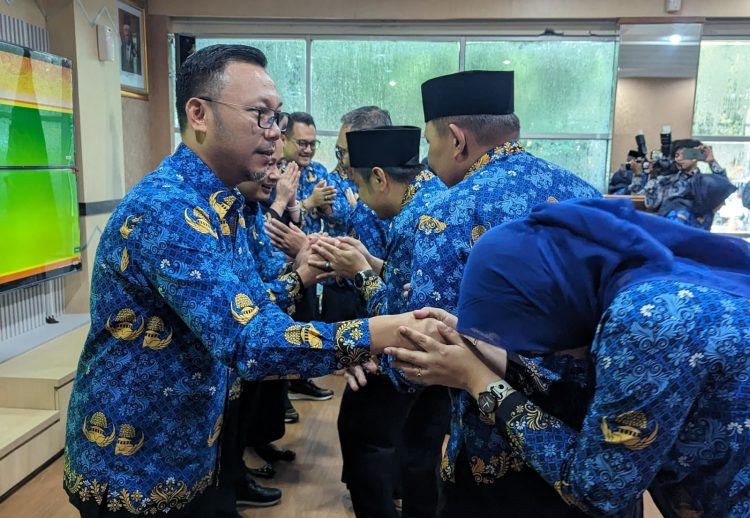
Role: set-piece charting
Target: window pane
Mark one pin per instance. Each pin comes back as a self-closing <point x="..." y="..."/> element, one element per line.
<point x="585" y="158"/>
<point x="347" y="74"/>
<point x="286" y="65"/>
<point x="722" y="97"/>
<point x="326" y="153"/>
<point x="734" y="157"/>
<point x="560" y="86"/>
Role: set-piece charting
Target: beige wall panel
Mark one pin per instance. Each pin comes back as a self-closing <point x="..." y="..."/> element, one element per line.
<point x="648" y="104"/>
<point x="443" y="9"/>
<point x="25" y="10"/>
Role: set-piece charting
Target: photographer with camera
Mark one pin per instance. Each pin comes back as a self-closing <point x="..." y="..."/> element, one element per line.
<point x="629" y="176"/>
<point x="678" y="190"/>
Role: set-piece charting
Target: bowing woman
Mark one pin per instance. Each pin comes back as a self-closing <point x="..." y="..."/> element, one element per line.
<point x="661" y="312"/>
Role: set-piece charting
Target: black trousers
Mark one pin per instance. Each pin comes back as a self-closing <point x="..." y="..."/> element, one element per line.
<point x="264" y="406"/>
<point x="426" y="426"/>
<point x="390" y="444"/>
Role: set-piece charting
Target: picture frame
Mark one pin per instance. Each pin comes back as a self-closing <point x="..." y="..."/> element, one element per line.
<point x="132" y="50"/>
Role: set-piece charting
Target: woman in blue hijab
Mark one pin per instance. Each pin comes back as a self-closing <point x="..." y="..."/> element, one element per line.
<point x="662" y="313"/>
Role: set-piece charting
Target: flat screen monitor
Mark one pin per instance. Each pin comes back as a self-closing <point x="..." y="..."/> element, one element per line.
<point x="39" y="232"/>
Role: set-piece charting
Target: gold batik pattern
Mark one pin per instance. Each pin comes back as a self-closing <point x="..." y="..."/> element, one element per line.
<point x="168" y="494"/>
<point x="347" y="333"/>
<point x="292" y="284"/>
<point x="630" y="430"/>
<point x="487" y="471"/>
<point x="503" y="149"/>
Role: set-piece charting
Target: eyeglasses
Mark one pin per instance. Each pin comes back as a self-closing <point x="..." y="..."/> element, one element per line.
<point x="340" y="152"/>
<point x="266" y="116"/>
<point x="302" y="144"/>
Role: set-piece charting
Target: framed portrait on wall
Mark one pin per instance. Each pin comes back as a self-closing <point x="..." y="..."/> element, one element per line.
<point x="131" y="26"/>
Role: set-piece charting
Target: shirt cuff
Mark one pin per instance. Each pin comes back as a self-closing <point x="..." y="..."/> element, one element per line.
<point x="372" y="285"/>
<point x="293" y="285"/>
<point x="351" y="343"/>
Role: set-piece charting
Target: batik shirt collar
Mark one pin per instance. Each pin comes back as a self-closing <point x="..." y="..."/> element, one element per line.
<point x="189" y="168"/>
<point x="494" y="155"/>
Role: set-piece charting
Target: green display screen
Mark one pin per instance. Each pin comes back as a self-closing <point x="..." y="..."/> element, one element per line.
<point x="38" y="223"/>
<point x="38" y="201"/>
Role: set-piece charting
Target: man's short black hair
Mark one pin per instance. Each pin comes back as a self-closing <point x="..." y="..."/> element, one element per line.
<point x="683" y="144"/>
<point x="366" y="117"/>
<point x="400" y="174"/>
<point x="486" y="128"/>
<point x="299" y="118"/>
<point x="202" y="73"/>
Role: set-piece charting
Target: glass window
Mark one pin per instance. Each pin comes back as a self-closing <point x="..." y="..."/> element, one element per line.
<point x="722" y="109"/>
<point x="586" y="158"/>
<point x="326" y="153"/>
<point x="722" y="96"/>
<point x="560" y="86"/>
<point x="347" y="74"/>
<point x="286" y="65"/>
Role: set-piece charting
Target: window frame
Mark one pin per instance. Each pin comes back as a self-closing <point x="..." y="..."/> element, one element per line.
<point x="454" y="32"/>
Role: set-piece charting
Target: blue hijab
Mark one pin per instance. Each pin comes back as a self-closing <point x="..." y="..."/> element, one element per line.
<point x="541" y="284"/>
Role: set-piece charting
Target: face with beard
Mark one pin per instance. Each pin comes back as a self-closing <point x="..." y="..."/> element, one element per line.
<point x="236" y="147"/>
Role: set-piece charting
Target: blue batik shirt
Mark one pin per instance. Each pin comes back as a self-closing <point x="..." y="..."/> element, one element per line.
<point x="362" y="222"/>
<point x="176" y="306"/>
<point x="670" y="411"/>
<point x="385" y="296"/>
<point x="314" y="220"/>
<point x="503" y="184"/>
<point x="270" y="263"/>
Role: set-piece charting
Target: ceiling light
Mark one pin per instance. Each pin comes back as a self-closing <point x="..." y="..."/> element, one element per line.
<point x="506" y="62"/>
<point x="392" y="83"/>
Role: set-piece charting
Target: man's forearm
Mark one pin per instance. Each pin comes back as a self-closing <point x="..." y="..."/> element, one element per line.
<point x="384" y="331"/>
<point x="279" y="206"/>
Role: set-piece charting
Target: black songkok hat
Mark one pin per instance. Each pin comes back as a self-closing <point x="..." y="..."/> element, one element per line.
<point x="478" y="92"/>
<point x="683" y="144"/>
<point x="386" y="146"/>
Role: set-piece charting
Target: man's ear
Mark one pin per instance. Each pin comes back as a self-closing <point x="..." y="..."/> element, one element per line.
<point x="197" y="112"/>
<point x="378" y="179"/>
<point x="458" y="138"/>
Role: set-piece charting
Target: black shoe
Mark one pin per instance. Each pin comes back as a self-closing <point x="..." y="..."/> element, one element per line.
<point x="266" y="471"/>
<point x="291" y="416"/>
<point x="306" y="389"/>
<point x="253" y="495"/>
<point x="272" y="453"/>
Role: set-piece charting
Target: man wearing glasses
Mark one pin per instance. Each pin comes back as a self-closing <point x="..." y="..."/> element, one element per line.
<point x="316" y="191"/>
<point x="177" y="307"/>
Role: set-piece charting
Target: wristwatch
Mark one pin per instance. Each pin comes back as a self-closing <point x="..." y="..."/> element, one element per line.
<point x="490" y="399"/>
<point x="360" y="278"/>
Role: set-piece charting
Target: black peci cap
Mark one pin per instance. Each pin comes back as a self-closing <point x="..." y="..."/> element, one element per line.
<point x="386" y="146"/>
<point x="477" y="92"/>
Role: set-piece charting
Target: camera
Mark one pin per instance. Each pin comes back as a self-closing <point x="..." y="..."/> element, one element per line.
<point x="666" y="140"/>
<point x="640" y="140"/>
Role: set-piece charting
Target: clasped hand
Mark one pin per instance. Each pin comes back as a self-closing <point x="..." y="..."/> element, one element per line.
<point x="448" y="358"/>
<point x="339" y="257"/>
